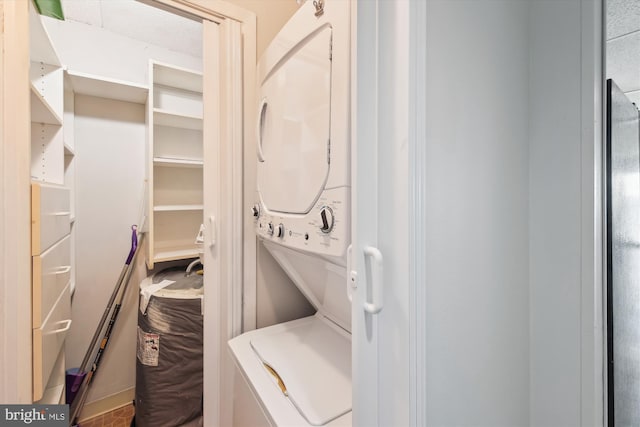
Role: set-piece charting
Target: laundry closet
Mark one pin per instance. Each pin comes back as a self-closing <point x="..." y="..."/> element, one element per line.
<point x="117" y="140"/>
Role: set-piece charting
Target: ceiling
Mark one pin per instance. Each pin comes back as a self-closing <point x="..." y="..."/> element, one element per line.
<point x="138" y="21"/>
<point x="623" y="17"/>
<point x="623" y="46"/>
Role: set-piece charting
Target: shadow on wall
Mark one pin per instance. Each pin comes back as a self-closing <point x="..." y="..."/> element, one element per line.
<point x="278" y="298"/>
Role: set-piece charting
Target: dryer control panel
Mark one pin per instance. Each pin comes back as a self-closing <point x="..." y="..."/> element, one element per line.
<point x="323" y="230"/>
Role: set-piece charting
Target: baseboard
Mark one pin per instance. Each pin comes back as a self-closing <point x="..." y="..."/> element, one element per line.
<point x="107" y="404"/>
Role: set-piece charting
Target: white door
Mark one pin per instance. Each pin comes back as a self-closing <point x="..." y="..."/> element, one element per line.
<point x="222" y="86"/>
<point x="380" y="305"/>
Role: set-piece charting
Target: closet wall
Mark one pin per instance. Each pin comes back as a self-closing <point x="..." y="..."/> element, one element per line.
<point x="110" y="153"/>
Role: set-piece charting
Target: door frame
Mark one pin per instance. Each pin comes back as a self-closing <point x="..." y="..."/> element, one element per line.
<point x="15" y="198"/>
<point x="15" y="178"/>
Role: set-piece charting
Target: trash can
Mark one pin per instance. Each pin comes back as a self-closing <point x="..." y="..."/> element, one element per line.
<point x="169" y="351"/>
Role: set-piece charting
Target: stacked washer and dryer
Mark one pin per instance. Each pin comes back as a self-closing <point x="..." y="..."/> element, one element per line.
<point x="299" y="373"/>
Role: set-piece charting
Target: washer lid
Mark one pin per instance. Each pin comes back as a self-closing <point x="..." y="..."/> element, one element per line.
<point x="311" y="364"/>
<point x="294" y="125"/>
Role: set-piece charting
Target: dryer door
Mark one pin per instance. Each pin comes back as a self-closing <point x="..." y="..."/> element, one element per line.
<point x="293" y="126"/>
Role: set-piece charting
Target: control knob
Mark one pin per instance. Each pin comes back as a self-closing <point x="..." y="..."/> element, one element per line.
<point x="255" y="211"/>
<point x="270" y="229"/>
<point x="326" y="216"/>
<point x="280" y="231"/>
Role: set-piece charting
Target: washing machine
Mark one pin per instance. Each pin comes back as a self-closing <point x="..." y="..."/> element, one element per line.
<point x="299" y="373"/>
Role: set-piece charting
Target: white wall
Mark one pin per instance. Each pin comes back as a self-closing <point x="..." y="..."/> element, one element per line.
<point x="278" y="299"/>
<point x="510" y="177"/>
<point x="554" y="212"/>
<point x="477" y="226"/>
<point x="110" y="153"/>
<point x="270" y="17"/>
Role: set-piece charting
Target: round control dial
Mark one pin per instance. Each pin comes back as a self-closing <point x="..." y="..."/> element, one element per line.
<point x="280" y="231"/>
<point x="270" y="229"/>
<point x="327" y="219"/>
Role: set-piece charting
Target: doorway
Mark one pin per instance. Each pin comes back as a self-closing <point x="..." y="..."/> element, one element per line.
<point x="234" y="28"/>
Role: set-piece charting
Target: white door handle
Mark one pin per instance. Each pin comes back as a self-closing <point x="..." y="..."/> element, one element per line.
<point x="373" y="302"/>
<point x="262" y="112"/>
<point x="64" y="269"/>
<point x="65" y="328"/>
<point x="212" y="231"/>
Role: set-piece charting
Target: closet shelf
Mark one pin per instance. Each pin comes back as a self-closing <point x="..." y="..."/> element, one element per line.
<point x="41" y="111"/>
<point x="172" y="255"/>
<point x="175" y="208"/>
<point x="178" y="77"/>
<point x="103" y="87"/>
<point x="177" y="163"/>
<point x="176" y="119"/>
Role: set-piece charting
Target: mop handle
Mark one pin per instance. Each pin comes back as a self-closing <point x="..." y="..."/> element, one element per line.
<point x="134" y="243"/>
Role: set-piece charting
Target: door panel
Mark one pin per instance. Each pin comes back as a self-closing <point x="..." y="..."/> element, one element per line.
<point x="380" y="302"/>
<point x="623" y="253"/>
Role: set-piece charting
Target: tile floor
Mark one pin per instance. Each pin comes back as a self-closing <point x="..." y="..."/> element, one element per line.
<point x="120" y="417"/>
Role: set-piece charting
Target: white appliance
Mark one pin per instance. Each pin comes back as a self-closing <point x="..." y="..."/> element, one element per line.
<point x="299" y="373"/>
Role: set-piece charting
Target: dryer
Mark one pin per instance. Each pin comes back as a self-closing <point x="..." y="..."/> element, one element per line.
<point x="303" y="133"/>
<point x="299" y="373"/>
